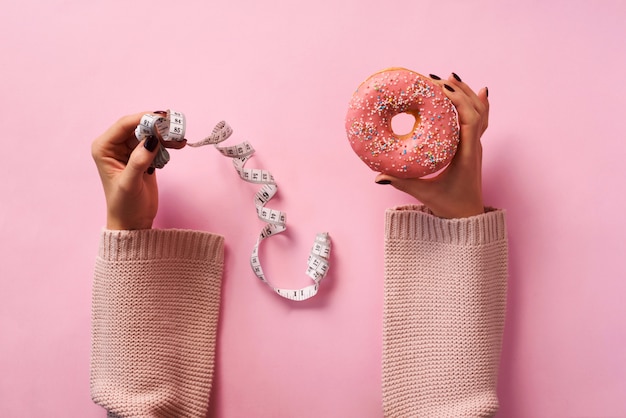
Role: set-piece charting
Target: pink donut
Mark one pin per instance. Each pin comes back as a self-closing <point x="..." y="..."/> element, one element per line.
<point x="431" y="144"/>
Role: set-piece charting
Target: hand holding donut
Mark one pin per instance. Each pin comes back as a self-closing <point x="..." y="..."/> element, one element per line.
<point x="129" y="183"/>
<point x="456" y="192"/>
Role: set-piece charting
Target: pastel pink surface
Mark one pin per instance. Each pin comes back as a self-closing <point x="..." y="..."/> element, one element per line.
<point x="428" y="146"/>
<point x="282" y="74"/>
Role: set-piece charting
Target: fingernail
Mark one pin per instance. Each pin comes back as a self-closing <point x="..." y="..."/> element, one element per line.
<point x="151" y="143"/>
<point x="448" y="88"/>
<point x="487" y="91"/>
<point x="160" y="112"/>
<point x="434" y="77"/>
<point x="150" y="170"/>
<point x="383" y="182"/>
<point x="456" y="77"/>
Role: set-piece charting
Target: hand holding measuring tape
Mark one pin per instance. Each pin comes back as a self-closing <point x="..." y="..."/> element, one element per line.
<point x="171" y="127"/>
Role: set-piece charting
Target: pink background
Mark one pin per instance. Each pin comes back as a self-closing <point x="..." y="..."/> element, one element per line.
<point x="281" y="72"/>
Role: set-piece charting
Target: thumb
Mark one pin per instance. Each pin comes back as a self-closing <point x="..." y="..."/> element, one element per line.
<point x="421" y="189"/>
<point x="405" y="185"/>
<point x="140" y="160"/>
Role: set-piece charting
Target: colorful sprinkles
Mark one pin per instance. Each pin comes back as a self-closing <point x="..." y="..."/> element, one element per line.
<point x="428" y="148"/>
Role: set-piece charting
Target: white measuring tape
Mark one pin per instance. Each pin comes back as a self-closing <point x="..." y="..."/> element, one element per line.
<point x="171" y="127"/>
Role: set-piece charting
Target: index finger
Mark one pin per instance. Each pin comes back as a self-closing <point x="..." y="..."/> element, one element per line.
<point x="479" y="100"/>
<point x="119" y="132"/>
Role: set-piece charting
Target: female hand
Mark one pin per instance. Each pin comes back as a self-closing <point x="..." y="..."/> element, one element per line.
<point x="456" y="192"/>
<point x="129" y="183"/>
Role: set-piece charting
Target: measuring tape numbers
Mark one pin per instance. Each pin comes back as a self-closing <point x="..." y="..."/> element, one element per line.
<point x="171" y="127"/>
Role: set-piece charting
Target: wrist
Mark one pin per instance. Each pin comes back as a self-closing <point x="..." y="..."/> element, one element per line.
<point x="458" y="212"/>
<point x="119" y="224"/>
<point x="126" y="227"/>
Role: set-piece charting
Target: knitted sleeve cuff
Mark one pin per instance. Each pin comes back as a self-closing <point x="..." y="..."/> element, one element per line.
<point x="148" y="244"/>
<point x="416" y="222"/>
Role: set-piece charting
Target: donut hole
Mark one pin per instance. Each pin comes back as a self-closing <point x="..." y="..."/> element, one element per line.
<point x="403" y="123"/>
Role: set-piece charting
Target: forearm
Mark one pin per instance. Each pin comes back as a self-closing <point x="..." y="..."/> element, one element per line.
<point x="444" y="308"/>
<point x="156" y="298"/>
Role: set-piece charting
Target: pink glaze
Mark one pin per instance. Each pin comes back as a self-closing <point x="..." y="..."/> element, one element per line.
<point x="431" y="144"/>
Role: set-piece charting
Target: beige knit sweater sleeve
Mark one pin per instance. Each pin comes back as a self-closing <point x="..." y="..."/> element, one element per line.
<point x="444" y="308"/>
<point x="156" y="297"/>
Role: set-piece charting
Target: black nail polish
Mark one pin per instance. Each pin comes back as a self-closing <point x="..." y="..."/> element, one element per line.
<point x="151" y="143"/>
<point x="150" y="170"/>
<point x="487" y="91"/>
<point x="448" y="88"/>
<point x="383" y="182"/>
<point x="434" y="77"/>
<point x="456" y="77"/>
<point x="160" y="112"/>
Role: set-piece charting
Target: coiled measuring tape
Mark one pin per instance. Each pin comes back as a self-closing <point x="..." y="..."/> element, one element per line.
<point x="171" y="127"/>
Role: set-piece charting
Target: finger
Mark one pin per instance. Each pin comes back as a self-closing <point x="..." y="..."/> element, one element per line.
<point x="457" y="92"/>
<point x="139" y="162"/>
<point x="175" y="144"/>
<point x="483" y="96"/>
<point x="461" y="96"/>
<point x="455" y="81"/>
<point x="121" y="130"/>
<point x="383" y="179"/>
<point x="479" y="100"/>
<point x="414" y="187"/>
<point x="470" y="119"/>
<point x="118" y="141"/>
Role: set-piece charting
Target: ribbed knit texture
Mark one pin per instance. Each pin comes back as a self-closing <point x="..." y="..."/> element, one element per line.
<point x="444" y="309"/>
<point x="156" y="298"/>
